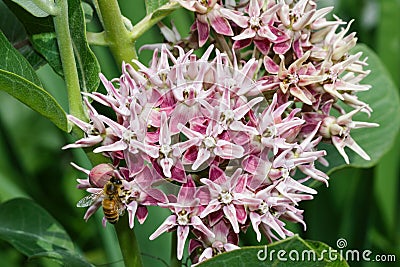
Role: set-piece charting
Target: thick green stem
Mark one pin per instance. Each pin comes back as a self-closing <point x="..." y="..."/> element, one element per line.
<point x="64" y="40"/>
<point x="128" y="244"/>
<point x="117" y="36"/>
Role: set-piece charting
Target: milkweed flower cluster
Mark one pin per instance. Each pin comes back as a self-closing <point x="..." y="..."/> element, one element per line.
<point x="228" y="140"/>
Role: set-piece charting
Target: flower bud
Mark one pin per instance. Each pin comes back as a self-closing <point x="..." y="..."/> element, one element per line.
<point x="100" y="174"/>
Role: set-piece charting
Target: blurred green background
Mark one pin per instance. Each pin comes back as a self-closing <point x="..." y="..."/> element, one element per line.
<point x="360" y="205"/>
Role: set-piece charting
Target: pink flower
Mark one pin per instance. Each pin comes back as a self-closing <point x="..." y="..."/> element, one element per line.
<point x="95" y="132"/>
<point x="225" y="240"/>
<point x="338" y="129"/>
<point x="185" y="209"/>
<point x="258" y="27"/>
<point x="139" y="193"/>
<point x="207" y="13"/>
<point x="228" y="194"/>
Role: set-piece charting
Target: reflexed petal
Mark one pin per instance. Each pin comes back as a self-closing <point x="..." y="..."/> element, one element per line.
<point x="168" y="224"/>
<point x="246" y="34"/>
<point x="230" y="213"/>
<point x="199" y="225"/>
<point x="117" y="146"/>
<point x="202" y="156"/>
<point x="219" y="24"/>
<point x="228" y="150"/>
<point x="182" y="233"/>
<point x="203" y="31"/>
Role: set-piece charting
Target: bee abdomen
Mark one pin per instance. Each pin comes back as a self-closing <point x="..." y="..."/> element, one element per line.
<point x="110" y="211"/>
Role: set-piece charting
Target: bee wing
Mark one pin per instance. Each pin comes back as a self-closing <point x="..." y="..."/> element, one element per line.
<point x="120" y="207"/>
<point x="88" y="200"/>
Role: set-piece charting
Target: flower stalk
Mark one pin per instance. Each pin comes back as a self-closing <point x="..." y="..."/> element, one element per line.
<point x="128" y="244"/>
<point x="61" y="26"/>
<point x="117" y="35"/>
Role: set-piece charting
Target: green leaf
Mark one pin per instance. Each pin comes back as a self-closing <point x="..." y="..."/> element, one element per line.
<point x="14" y="62"/>
<point x="16" y="34"/>
<point x="35" y="233"/>
<point x="46" y="44"/>
<point x="31" y="7"/>
<point x="18" y="79"/>
<point x="292" y="251"/>
<point x="88" y="66"/>
<point x="34" y="97"/>
<point x="152" y="5"/>
<point x="152" y="18"/>
<point x="32" y="24"/>
<point x="383" y="98"/>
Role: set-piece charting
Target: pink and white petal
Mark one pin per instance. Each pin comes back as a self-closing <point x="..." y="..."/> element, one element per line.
<point x="166" y="165"/>
<point x="255" y="222"/>
<point x="203" y="31"/>
<point x="282" y="48"/>
<point x="263" y="45"/>
<point x="219" y="24"/>
<point x="241" y="213"/>
<point x="254" y="8"/>
<point x="270" y="65"/>
<point x="236" y="17"/>
<point x="241" y="111"/>
<point x="266" y="32"/>
<point x="301" y="95"/>
<point x="199" y="225"/>
<point x="168" y="224"/>
<point x="202" y="156"/>
<point x="141" y="214"/>
<point x="91" y="210"/>
<point x="182" y="233"/>
<point x="228" y="150"/>
<point x="230" y="213"/>
<point x="230" y="247"/>
<point x="207" y="254"/>
<point x="132" y="208"/>
<point x="350" y="143"/>
<point x="239" y="44"/>
<point x="246" y="34"/>
<point x="91" y="140"/>
<point x="179" y="148"/>
<point x="117" y="146"/>
<point x="150" y="150"/>
<point x="339" y="144"/>
<point x="81" y="124"/>
<point x="134" y="162"/>
<point x="210" y="209"/>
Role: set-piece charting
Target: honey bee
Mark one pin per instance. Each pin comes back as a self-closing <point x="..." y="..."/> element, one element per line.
<point x="111" y="200"/>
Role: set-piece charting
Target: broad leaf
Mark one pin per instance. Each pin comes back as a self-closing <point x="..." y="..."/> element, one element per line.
<point x="152" y="5"/>
<point x="31" y="7"/>
<point x="292" y="251"/>
<point x="18" y="79"/>
<point x="13" y="61"/>
<point x="88" y="66"/>
<point x="34" y="97"/>
<point x="16" y="34"/>
<point x="46" y="44"/>
<point x="32" y="24"/>
<point x="35" y="233"/>
<point x="383" y="98"/>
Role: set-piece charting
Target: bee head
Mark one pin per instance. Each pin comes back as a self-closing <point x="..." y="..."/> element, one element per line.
<point x="115" y="181"/>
